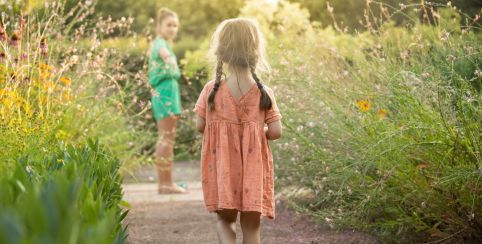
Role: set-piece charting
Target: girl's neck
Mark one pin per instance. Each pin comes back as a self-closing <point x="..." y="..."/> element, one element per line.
<point x="239" y="72"/>
<point x="240" y="77"/>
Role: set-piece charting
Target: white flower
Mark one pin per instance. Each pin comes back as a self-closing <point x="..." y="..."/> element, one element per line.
<point x="478" y="73"/>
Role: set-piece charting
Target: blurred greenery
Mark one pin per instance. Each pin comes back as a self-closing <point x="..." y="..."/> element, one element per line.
<point x="386" y="139"/>
<point x="72" y="195"/>
<point x="351" y="14"/>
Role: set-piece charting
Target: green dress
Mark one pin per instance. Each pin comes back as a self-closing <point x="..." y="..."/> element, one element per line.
<point x="164" y="77"/>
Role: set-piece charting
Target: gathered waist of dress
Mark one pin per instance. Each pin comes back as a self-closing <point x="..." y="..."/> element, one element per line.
<point x="216" y="121"/>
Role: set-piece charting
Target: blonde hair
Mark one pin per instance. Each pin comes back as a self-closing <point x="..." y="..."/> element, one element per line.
<point x="239" y="42"/>
<point x="164" y="13"/>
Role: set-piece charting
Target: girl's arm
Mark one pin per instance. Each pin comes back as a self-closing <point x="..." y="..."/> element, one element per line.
<point x="200" y="124"/>
<point x="163" y="69"/>
<point x="201" y="111"/>
<point x="273" y="130"/>
<point x="166" y="56"/>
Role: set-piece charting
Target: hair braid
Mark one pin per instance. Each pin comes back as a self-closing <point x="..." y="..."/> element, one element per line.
<point x="265" y="101"/>
<point x="219" y="73"/>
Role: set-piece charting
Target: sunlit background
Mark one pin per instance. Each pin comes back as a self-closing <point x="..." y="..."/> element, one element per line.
<point x="380" y="103"/>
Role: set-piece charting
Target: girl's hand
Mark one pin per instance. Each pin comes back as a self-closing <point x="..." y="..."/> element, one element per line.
<point x="166" y="56"/>
<point x="265" y="129"/>
<point x="164" y="53"/>
<point x="171" y="60"/>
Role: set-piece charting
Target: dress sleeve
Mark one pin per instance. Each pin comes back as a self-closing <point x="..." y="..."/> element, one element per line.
<point x="272" y="114"/>
<point x="158" y="69"/>
<point x="201" y="104"/>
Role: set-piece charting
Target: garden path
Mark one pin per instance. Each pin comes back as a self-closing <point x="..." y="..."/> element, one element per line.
<point x="182" y="218"/>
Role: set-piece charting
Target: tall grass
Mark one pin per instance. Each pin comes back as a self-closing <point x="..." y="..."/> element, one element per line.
<point x="382" y="128"/>
<point x="57" y="83"/>
<point x="58" y="88"/>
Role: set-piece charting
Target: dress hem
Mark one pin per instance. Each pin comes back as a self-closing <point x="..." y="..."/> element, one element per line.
<point x="264" y="211"/>
<point x="157" y="119"/>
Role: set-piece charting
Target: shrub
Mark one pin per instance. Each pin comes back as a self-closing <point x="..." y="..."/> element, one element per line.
<point x="382" y="127"/>
<point x="73" y="195"/>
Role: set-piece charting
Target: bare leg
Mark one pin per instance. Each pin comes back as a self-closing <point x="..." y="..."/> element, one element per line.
<point x="226" y="226"/>
<point x="250" y="223"/>
<point x="165" y="155"/>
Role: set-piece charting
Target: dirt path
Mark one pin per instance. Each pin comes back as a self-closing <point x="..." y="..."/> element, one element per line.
<point x="182" y="218"/>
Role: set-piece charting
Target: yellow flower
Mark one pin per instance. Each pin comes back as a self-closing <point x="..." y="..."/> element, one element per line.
<point x="9" y="98"/>
<point x="49" y="86"/>
<point x="8" y="102"/>
<point x="363" y="105"/>
<point x="28" y="109"/>
<point x="66" y="81"/>
<point x="42" y="100"/>
<point x="44" y="71"/>
<point x="382" y="113"/>
<point x="67" y="96"/>
<point x="44" y="74"/>
<point x="45" y="67"/>
<point x="61" y="134"/>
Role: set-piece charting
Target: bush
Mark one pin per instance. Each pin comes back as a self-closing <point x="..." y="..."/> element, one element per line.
<point x="382" y="127"/>
<point x="387" y="137"/>
<point x="71" y="196"/>
<point x="59" y="83"/>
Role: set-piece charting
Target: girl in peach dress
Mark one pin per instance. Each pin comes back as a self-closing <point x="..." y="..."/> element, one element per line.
<point x="237" y="115"/>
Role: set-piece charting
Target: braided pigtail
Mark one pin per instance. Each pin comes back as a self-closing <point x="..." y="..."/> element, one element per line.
<point x="265" y="101"/>
<point x="219" y="73"/>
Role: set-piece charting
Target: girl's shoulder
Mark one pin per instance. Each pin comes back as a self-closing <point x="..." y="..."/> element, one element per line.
<point x="209" y="84"/>
<point x="269" y="90"/>
<point x="158" y="41"/>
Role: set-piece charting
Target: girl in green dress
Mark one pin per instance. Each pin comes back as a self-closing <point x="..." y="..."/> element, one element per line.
<point x="166" y="100"/>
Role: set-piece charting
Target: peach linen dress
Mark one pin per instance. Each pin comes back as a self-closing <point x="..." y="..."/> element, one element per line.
<point x="236" y="160"/>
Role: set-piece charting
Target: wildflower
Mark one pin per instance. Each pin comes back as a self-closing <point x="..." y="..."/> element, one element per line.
<point x="45" y="70"/>
<point x="478" y="73"/>
<point x="404" y="55"/>
<point x="49" y="86"/>
<point x="444" y="36"/>
<point x="15" y="39"/>
<point x="3" y="34"/>
<point x="74" y="58"/>
<point x="45" y="67"/>
<point x="382" y="113"/>
<point x="425" y="75"/>
<point x="43" y="47"/>
<point x="451" y="58"/>
<point x="28" y="109"/>
<point x="66" y="81"/>
<point x="61" y="134"/>
<point x="67" y="96"/>
<point x="363" y="105"/>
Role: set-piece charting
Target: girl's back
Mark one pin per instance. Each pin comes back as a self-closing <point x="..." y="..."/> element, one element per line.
<point x="236" y="159"/>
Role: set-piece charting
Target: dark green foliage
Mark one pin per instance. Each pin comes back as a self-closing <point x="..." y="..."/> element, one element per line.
<point x="72" y="196"/>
